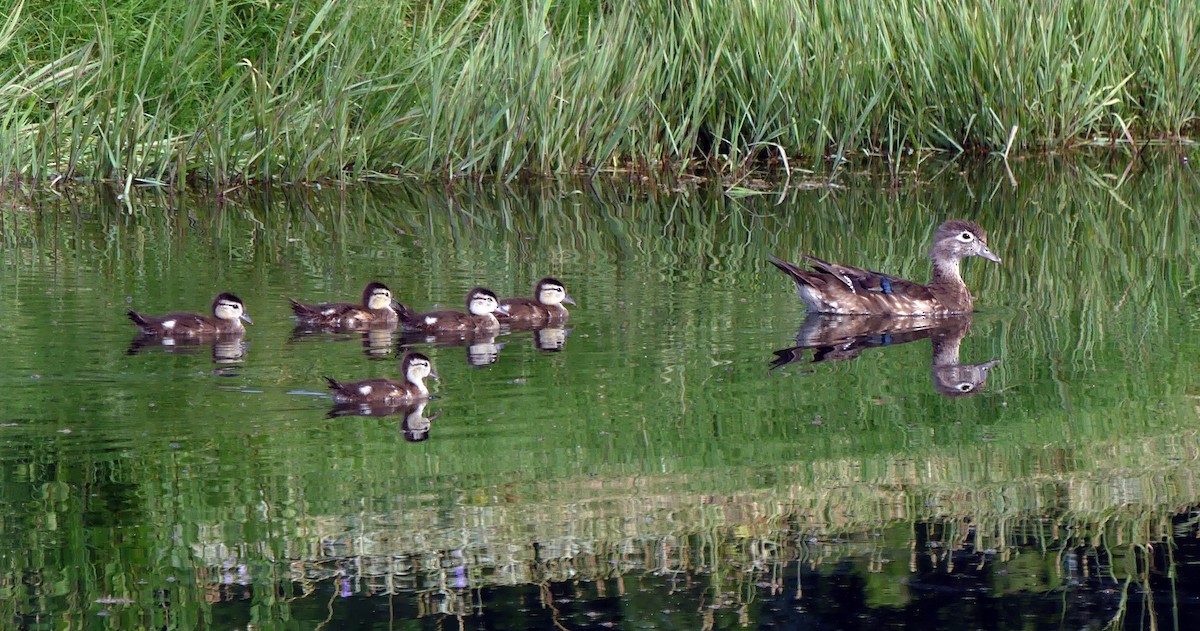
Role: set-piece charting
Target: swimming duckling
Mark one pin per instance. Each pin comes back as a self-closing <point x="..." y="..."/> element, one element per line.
<point x="377" y="307"/>
<point x="482" y="305"/>
<point x="545" y="309"/>
<point x="228" y="314"/>
<point x="415" y="367"/>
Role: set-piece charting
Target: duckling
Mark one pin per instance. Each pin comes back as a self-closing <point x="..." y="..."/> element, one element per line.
<point x="482" y="305"/>
<point x="544" y="310"/>
<point x="228" y="314"/>
<point x="415" y="367"/>
<point x="377" y="307"/>
<point x="839" y="289"/>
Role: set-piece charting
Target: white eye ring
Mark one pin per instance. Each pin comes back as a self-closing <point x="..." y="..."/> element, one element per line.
<point x="965" y="236"/>
<point x="965" y="387"/>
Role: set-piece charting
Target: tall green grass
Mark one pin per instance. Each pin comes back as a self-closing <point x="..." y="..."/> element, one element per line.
<point x="222" y="92"/>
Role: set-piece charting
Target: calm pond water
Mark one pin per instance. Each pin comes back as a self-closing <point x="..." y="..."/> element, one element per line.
<point x="654" y="465"/>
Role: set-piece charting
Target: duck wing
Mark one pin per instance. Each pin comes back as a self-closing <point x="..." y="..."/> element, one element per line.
<point x="172" y="323"/>
<point x="858" y="279"/>
<point x="377" y="389"/>
<point x="522" y="310"/>
<point x="329" y="311"/>
<point x="441" y="321"/>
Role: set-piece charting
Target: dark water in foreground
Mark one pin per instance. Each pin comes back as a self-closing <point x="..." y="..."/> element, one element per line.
<point x="647" y="467"/>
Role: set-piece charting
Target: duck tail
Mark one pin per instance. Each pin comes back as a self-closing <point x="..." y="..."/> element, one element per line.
<point x="137" y="318"/>
<point x="406" y="315"/>
<point x="334" y="384"/>
<point x="299" y="308"/>
<point x="800" y="276"/>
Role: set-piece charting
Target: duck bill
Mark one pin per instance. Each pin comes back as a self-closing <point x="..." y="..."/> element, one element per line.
<point x="245" y="318"/>
<point x="434" y="376"/>
<point x="568" y="300"/>
<point x="987" y="254"/>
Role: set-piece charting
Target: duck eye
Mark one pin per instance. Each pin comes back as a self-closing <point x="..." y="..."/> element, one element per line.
<point x="966" y="236"/>
<point x="964" y="387"/>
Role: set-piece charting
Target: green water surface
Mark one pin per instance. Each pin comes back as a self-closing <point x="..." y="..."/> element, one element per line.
<point x="653" y="472"/>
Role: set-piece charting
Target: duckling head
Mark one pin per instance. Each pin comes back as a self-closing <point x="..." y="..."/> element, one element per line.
<point x="551" y="292"/>
<point x="377" y="296"/>
<point x="482" y="301"/>
<point x="417" y="368"/>
<point x="227" y="306"/>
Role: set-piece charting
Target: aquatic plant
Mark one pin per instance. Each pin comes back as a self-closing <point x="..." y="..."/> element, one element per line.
<point x="224" y="92"/>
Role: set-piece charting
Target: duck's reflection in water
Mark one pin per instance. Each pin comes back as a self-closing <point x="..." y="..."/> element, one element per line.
<point x="550" y="339"/>
<point x="482" y="348"/>
<point x="227" y="348"/>
<point x="378" y="340"/>
<point x="842" y="337"/>
<point x="414" y="425"/>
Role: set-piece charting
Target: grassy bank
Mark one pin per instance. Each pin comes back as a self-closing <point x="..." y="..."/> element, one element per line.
<point x="219" y="92"/>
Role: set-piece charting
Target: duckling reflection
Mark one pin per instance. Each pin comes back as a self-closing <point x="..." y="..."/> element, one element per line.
<point x="415" y="425"/>
<point x="482" y="347"/>
<point x="378" y="340"/>
<point x="550" y="339"/>
<point x="844" y="337"/>
<point x="483" y="350"/>
<point x="227" y="348"/>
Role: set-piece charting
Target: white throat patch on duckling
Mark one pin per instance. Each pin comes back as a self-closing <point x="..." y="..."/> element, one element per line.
<point x="552" y="295"/>
<point x="418" y="370"/>
<point x="226" y="310"/>
<point x="380" y="299"/>
<point x="482" y="305"/>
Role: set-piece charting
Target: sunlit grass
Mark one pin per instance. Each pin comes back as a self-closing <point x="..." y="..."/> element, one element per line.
<point x="223" y="92"/>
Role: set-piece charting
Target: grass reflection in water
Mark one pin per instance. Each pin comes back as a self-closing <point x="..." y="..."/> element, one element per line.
<point x="656" y="458"/>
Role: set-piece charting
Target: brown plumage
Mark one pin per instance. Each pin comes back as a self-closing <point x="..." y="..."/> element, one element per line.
<point x="481" y="318"/>
<point x="415" y="367"/>
<point x="544" y="309"/>
<point x="840" y="289"/>
<point x="228" y="314"/>
<point x="377" y="307"/>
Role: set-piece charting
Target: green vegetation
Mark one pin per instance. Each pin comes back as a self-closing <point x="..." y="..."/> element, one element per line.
<point x="220" y="92"/>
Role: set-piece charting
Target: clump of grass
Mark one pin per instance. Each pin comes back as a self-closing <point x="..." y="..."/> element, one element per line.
<point x="223" y="92"/>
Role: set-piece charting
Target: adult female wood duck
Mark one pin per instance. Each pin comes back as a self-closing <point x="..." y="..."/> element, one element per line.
<point x="481" y="316"/>
<point x="415" y="367"/>
<point x="228" y="314"/>
<point x="544" y="309"/>
<point x="832" y="288"/>
<point x="377" y="307"/>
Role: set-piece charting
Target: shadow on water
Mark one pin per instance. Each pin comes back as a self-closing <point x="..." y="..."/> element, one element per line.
<point x="842" y="337"/>
<point x="652" y="473"/>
